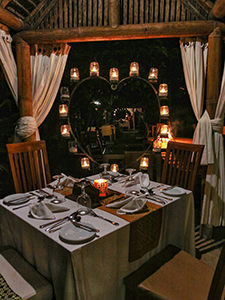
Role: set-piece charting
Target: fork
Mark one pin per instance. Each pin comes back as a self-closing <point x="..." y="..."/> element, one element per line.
<point x="93" y="213"/>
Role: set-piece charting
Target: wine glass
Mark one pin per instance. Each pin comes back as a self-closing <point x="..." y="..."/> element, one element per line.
<point x="84" y="199"/>
<point x="55" y="187"/>
<point x="130" y="172"/>
<point x="105" y="173"/>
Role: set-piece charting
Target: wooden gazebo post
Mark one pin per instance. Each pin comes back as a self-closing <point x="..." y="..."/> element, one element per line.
<point x="24" y="80"/>
<point x="214" y="70"/>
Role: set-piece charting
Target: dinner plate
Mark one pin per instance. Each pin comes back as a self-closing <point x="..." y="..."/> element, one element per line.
<point x="75" y="235"/>
<point x="16" y="199"/>
<point x="175" y="191"/>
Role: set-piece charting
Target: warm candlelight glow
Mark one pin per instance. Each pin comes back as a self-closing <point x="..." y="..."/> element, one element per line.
<point x="74" y="74"/>
<point x="153" y="75"/>
<point x="163" y="138"/>
<point x="65" y="130"/>
<point x="114" y="168"/>
<point x="134" y="69"/>
<point x="164" y="111"/>
<point x="164" y="130"/>
<point x="102" y="185"/>
<point x="72" y="145"/>
<point x="63" y="110"/>
<point x="144" y="163"/>
<point x="114" y="75"/>
<point x="94" y="69"/>
<point x="85" y="163"/>
<point x="163" y="90"/>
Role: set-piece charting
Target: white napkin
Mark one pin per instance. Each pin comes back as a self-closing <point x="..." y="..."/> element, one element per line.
<point x="144" y="180"/>
<point x="129" y="205"/>
<point x="135" y="180"/>
<point x="45" y="211"/>
<point x="18" y="198"/>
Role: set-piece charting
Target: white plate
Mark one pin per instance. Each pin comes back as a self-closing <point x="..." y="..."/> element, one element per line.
<point x="75" y="235"/>
<point x="16" y="199"/>
<point x="175" y="191"/>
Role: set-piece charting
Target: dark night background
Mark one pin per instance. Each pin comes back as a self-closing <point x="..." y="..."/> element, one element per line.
<point x="161" y="53"/>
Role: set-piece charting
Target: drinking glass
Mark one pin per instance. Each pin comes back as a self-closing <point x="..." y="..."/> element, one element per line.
<point x="105" y="173"/>
<point x="84" y="199"/>
<point x="130" y="172"/>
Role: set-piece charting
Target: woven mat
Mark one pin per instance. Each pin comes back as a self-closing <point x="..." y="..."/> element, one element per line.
<point x="145" y="229"/>
<point x="6" y="293"/>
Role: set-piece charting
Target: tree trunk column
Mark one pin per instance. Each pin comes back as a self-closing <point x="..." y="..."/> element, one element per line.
<point x="24" y="80"/>
<point x="214" y="71"/>
<point x="114" y="13"/>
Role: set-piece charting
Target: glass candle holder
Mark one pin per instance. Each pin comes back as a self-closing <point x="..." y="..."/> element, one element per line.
<point x="144" y="162"/>
<point x="72" y="146"/>
<point x="164" y="111"/>
<point x="85" y="163"/>
<point x="74" y="74"/>
<point x="65" y="130"/>
<point x="153" y="75"/>
<point x="94" y="69"/>
<point x="102" y="185"/>
<point x="64" y="93"/>
<point x="134" y="69"/>
<point x="164" y="131"/>
<point x="163" y="90"/>
<point x="114" y="168"/>
<point x="63" y="110"/>
<point x="114" y="75"/>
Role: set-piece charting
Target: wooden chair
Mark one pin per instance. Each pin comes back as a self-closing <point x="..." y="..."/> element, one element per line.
<point x="173" y="274"/>
<point x="29" y="165"/>
<point x="19" y="278"/>
<point x="181" y="164"/>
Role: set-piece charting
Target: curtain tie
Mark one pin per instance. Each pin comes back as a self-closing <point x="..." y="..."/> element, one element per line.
<point x="217" y="125"/>
<point x="26" y="126"/>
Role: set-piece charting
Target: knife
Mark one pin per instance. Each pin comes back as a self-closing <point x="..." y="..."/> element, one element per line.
<point x="82" y="226"/>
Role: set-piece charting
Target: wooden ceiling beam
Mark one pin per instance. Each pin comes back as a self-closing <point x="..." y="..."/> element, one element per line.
<point x="122" y="32"/>
<point x="10" y="20"/>
<point x="218" y="10"/>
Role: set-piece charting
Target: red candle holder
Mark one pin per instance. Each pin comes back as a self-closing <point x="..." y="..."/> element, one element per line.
<point x="102" y="185"/>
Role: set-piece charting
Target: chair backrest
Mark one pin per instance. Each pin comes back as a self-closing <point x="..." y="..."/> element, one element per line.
<point x="29" y="165"/>
<point x="181" y="164"/>
<point x="218" y="282"/>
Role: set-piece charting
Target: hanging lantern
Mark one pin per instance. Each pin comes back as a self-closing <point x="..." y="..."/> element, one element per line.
<point x="163" y="90"/>
<point x="85" y="163"/>
<point x="94" y="69"/>
<point x="73" y="148"/>
<point x="134" y="69"/>
<point x="144" y="162"/>
<point x="74" y="74"/>
<point x="64" y="93"/>
<point x="65" y="130"/>
<point x="164" y="111"/>
<point x="114" y="75"/>
<point x="63" y="110"/>
<point x="114" y="168"/>
<point x="153" y="75"/>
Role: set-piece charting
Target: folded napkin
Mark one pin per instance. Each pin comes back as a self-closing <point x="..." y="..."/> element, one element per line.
<point x="135" y="180"/>
<point x="46" y="211"/>
<point x="16" y="199"/>
<point x="129" y="205"/>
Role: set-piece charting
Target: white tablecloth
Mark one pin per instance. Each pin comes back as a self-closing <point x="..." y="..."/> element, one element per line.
<point x="94" y="270"/>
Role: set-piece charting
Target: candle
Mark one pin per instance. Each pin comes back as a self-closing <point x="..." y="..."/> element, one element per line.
<point x="164" y="111"/>
<point x="163" y="90"/>
<point x="153" y="75"/>
<point x="144" y="163"/>
<point x="94" y="69"/>
<point x="85" y="163"/>
<point x="63" y="110"/>
<point x="102" y="185"/>
<point x="134" y="69"/>
<point x="65" y="130"/>
<point x="114" y="75"/>
<point x="114" y="168"/>
<point x="74" y="74"/>
<point x="164" y="130"/>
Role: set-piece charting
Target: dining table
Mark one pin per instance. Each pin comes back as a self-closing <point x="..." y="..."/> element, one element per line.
<point x="95" y="269"/>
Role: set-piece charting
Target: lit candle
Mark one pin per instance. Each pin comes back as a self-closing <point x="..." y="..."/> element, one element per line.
<point x="153" y="75"/>
<point x="114" y="75"/>
<point x="164" y="131"/>
<point x="94" y="69"/>
<point x="164" y="143"/>
<point x="65" y="130"/>
<point x="144" y="163"/>
<point x="102" y="185"/>
<point x="164" y="111"/>
<point x="114" y="168"/>
<point x="63" y="110"/>
<point x="134" y="69"/>
<point x="74" y="74"/>
<point x="163" y="90"/>
<point x="85" y="163"/>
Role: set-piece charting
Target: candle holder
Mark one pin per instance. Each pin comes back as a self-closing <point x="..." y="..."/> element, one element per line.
<point x="153" y="75"/>
<point x="113" y="75"/>
<point x="163" y="90"/>
<point x="85" y="163"/>
<point x="114" y="168"/>
<point x="74" y="74"/>
<point x="134" y="69"/>
<point x="102" y="185"/>
<point x="65" y="130"/>
<point x="144" y="162"/>
<point x="63" y="110"/>
<point x="94" y="69"/>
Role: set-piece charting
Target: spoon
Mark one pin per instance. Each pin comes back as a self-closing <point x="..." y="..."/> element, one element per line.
<point x="83" y="212"/>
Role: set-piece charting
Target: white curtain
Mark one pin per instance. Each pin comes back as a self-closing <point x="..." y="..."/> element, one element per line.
<point x="46" y="74"/>
<point x="8" y="63"/>
<point x="213" y="209"/>
<point x="194" y="58"/>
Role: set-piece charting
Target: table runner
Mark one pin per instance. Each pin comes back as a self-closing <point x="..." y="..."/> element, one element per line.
<point x="145" y="229"/>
